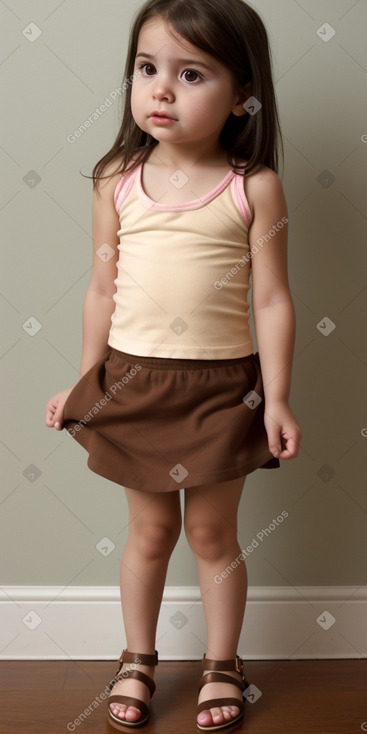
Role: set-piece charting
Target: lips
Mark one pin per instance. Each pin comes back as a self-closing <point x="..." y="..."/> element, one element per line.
<point x="162" y="115"/>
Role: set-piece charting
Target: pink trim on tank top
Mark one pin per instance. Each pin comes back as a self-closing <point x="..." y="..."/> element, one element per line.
<point x="126" y="183"/>
<point x="240" y="198"/>
<point x="195" y="204"/>
<point x="122" y="190"/>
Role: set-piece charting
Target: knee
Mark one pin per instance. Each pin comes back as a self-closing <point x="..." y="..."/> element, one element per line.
<point x="209" y="542"/>
<point x="156" y="541"/>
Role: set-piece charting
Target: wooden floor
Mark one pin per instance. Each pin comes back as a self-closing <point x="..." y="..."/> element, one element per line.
<point x="298" y="697"/>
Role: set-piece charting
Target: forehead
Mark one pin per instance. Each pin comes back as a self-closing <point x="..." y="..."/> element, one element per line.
<point x="158" y="38"/>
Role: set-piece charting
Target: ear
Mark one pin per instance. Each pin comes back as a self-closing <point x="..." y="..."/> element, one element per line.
<point x="243" y="94"/>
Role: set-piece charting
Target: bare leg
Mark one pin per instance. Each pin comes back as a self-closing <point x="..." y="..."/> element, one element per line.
<point x="211" y="529"/>
<point x="154" y="527"/>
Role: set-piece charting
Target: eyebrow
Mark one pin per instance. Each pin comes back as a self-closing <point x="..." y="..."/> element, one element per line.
<point x="180" y="61"/>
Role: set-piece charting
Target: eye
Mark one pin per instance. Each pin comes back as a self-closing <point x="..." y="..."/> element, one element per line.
<point x="191" y="75"/>
<point x="149" y="69"/>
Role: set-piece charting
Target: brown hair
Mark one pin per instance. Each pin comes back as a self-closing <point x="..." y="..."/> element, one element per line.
<point x="243" y="49"/>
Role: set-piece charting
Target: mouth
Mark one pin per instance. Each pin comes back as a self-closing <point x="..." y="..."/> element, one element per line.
<point x="162" y="116"/>
<point x="156" y="113"/>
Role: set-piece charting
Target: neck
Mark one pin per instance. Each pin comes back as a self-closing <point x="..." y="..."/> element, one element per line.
<point x="181" y="157"/>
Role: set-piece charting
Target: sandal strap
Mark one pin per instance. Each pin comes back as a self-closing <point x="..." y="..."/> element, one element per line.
<point x="236" y="664"/>
<point x="214" y="702"/>
<point x="138" y="676"/>
<point x="136" y="659"/>
<point x="130" y="701"/>
<point x="220" y="678"/>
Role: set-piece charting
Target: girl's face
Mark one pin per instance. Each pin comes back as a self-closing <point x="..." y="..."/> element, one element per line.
<point x="193" y="92"/>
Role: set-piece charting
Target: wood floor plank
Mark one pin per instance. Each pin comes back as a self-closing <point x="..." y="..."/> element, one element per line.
<point x="297" y="697"/>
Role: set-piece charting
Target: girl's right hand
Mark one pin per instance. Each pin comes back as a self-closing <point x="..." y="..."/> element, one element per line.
<point x="55" y="409"/>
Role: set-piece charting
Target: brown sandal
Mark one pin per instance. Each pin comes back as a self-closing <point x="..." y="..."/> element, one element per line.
<point x="135" y="659"/>
<point x="219" y="665"/>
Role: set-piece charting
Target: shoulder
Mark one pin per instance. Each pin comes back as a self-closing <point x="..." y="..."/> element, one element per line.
<point x="110" y="176"/>
<point x="263" y="187"/>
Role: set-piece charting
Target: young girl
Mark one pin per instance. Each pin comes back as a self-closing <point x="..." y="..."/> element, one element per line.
<point x="187" y="204"/>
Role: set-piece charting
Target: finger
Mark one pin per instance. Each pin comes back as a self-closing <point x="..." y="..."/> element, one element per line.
<point x="290" y="449"/>
<point x="274" y="441"/>
<point x="58" y="422"/>
<point x="274" y="437"/>
<point x="59" y="417"/>
<point x="50" y="411"/>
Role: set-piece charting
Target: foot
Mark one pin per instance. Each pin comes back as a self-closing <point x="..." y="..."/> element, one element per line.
<point x="220" y="714"/>
<point x="134" y="688"/>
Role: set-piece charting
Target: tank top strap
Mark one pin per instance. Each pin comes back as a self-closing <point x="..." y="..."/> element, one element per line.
<point x="123" y="188"/>
<point x="240" y="198"/>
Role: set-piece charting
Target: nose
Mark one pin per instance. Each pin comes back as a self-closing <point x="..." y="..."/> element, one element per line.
<point x="162" y="89"/>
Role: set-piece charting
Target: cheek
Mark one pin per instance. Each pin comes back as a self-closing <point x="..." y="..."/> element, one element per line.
<point x="134" y="96"/>
<point x="139" y="109"/>
<point x="135" y="103"/>
<point x="206" y="111"/>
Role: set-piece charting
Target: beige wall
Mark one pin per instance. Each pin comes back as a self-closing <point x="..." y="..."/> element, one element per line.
<point x="49" y="526"/>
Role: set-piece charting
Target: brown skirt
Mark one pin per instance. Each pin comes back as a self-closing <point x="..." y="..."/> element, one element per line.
<point x="159" y="425"/>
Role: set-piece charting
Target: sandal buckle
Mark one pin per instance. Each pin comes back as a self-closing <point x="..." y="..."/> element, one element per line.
<point x="240" y="668"/>
<point x="117" y="675"/>
<point x="121" y="661"/>
<point x="121" y="658"/>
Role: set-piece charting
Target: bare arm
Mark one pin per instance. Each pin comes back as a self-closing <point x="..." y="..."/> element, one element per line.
<point x="98" y="304"/>
<point x="273" y="308"/>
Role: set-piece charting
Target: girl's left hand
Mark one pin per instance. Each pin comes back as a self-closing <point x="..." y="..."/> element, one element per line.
<point x="284" y="433"/>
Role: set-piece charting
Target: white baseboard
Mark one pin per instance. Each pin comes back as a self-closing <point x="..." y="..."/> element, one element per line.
<point x="85" y="623"/>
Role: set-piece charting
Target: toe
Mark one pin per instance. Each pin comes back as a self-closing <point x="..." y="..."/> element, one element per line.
<point x="118" y="710"/>
<point x="211" y="716"/>
<point x="128" y="713"/>
<point x="205" y="718"/>
<point x="217" y="715"/>
<point x="132" y="713"/>
<point x="230" y="712"/>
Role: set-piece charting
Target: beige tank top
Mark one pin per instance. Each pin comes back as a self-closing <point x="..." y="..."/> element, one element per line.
<point x="183" y="273"/>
